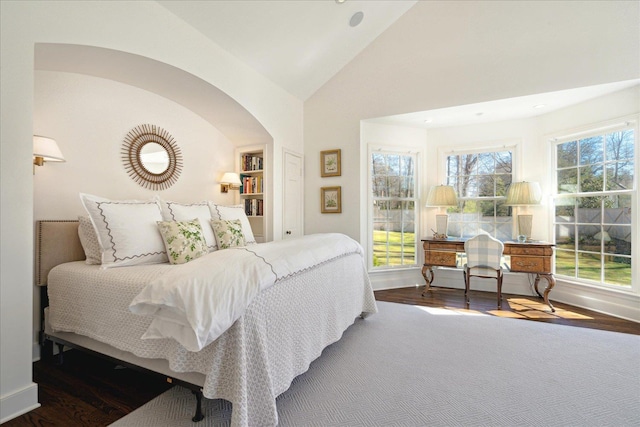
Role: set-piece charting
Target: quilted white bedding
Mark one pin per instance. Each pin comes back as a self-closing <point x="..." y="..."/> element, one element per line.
<point x="283" y="329"/>
<point x="194" y="303"/>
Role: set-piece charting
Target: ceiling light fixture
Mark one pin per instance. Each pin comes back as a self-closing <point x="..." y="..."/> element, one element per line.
<point x="356" y="19"/>
<point x="340" y="1"/>
<point x="540" y="106"/>
<point x="429" y="120"/>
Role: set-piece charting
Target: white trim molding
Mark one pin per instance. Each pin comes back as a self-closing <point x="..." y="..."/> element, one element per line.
<point x="624" y="305"/>
<point x="19" y="402"/>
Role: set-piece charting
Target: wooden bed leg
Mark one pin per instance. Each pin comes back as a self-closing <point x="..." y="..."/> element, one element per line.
<point x="199" y="416"/>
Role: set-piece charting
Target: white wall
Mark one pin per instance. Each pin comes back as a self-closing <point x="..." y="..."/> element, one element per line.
<point x="141" y="28"/>
<point x="533" y="162"/>
<point x="447" y="53"/>
<point x="89" y="118"/>
<point x="442" y="54"/>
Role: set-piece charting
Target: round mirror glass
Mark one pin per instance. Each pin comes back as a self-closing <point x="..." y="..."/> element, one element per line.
<point x="154" y="157"/>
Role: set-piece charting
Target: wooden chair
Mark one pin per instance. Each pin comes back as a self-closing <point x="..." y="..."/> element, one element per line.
<point x="484" y="254"/>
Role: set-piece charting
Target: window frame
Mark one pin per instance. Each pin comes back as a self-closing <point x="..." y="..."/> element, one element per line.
<point x="577" y="134"/>
<point x="497" y="146"/>
<point x="417" y="155"/>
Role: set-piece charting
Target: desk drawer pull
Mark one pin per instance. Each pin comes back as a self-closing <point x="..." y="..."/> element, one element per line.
<point x="526" y="264"/>
<point x="527" y="251"/>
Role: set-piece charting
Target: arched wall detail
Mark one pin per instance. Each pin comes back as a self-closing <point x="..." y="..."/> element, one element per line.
<point x="182" y="87"/>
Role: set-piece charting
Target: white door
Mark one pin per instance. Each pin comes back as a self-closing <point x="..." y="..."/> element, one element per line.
<point x="292" y="196"/>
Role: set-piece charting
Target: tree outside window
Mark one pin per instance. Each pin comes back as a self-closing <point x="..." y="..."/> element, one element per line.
<point x="393" y="190"/>
<point x="481" y="181"/>
<point x="593" y="208"/>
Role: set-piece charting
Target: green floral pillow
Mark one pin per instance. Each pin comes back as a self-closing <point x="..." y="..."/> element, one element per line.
<point x="228" y="233"/>
<point x="183" y="240"/>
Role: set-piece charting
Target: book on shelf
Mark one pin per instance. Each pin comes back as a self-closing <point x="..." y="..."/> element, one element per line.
<point x="251" y="184"/>
<point x="254" y="207"/>
<point x="251" y="162"/>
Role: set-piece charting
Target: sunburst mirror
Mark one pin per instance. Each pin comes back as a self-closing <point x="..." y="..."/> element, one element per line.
<point x="151" y="157"/>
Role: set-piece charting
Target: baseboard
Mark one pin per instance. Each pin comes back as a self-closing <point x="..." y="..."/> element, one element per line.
<point x="392" y="279"/>
<point x="613" y="303"/>
<point x="19" y="402"/>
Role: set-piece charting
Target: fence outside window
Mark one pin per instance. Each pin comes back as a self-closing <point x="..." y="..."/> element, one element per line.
<point x="593" y="201"/>
<point x="394" y="198"/>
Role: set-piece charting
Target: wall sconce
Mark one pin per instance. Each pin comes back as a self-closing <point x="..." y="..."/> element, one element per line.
<point x="229" y="181"/>
<point x="442" y="196"/>
<point x="524" y="194"/>
<point x="45" y="150"/>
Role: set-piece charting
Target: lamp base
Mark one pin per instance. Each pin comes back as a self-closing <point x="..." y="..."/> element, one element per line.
<point x="524" y="225"/>
<point x="442" y="224"/>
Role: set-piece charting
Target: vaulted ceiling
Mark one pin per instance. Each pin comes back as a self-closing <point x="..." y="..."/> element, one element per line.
<point x="298" y="45"/>
<point x="301" y="44"/>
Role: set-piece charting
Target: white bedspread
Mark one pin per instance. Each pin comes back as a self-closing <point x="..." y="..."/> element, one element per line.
<point x="283" y="330"/>
<point x="194" y="303"/>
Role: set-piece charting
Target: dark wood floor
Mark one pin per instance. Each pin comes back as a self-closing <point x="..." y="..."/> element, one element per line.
<point x="88" y="391"/>
<point x="513" y="306"/>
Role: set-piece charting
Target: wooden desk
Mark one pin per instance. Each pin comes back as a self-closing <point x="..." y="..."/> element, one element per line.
<point x="532" y="258"/>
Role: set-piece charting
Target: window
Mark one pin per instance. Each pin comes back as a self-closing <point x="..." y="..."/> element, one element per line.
<point x="593" y="203"/>
<point x="481" y="180"/>
<point x="394" y="199"/>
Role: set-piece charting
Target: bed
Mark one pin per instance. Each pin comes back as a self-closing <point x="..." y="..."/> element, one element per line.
<point x="283" y="329"/>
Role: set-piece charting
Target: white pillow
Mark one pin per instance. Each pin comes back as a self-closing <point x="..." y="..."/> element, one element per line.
<point x="89" y="240"/>
<point x="127" y="230"/>
<point x="173" y="211"/>
<point x="233" y="212"/>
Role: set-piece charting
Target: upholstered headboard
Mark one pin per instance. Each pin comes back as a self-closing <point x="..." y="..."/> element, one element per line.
<point x="57" y="242"/>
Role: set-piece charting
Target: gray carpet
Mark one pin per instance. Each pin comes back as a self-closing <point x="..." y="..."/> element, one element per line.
<point x="407" y="366"/>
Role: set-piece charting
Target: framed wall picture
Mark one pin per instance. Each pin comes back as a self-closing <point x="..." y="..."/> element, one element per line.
<point x="331" y="199"/>
<point x="330" y="163"/>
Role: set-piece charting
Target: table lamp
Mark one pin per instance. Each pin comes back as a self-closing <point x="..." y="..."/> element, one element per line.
<point x="524" y="194"/>
<point x="442" y="196"/>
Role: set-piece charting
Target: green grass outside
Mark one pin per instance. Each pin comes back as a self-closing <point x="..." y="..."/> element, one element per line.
<point x="391" y="244"/>
<point x="615" y="273"/>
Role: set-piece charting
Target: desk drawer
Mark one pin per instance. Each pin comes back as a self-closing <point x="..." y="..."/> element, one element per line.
<point x="530" y="264"/>
<point x="444" y="246"/>
<point x="524" y="250"/>
<point x="444" y="259"/>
